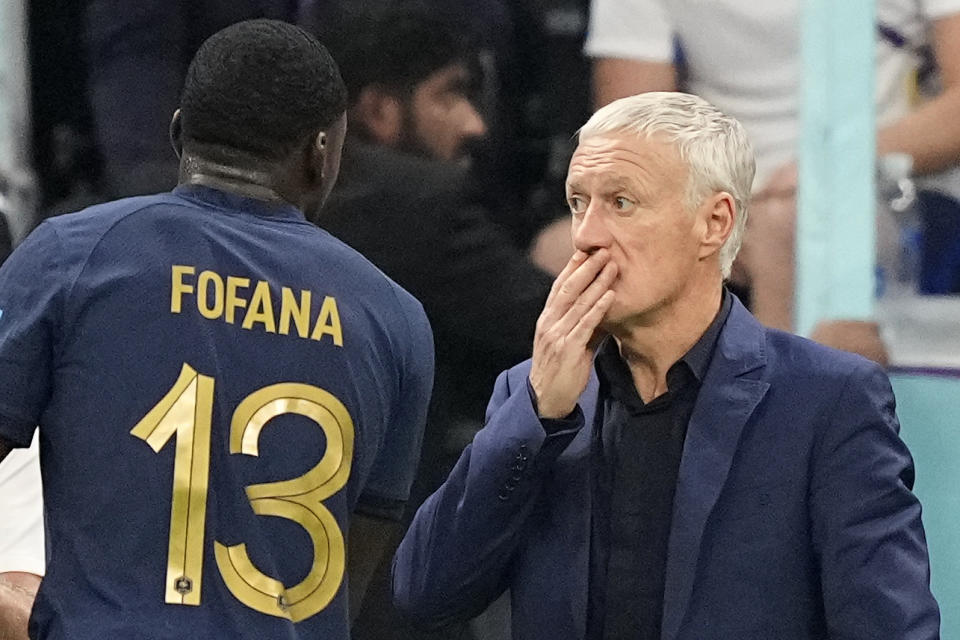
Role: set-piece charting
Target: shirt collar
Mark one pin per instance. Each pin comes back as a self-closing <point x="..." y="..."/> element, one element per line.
<point x="699" y="356"/>
<point x="615" y="376"/>
<point x="236" y="203"/>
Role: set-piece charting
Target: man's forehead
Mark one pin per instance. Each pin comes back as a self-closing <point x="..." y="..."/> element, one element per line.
<point x="616" y="159"/>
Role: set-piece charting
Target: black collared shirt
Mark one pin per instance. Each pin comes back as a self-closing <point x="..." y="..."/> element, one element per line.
<point x="639" y="448"/>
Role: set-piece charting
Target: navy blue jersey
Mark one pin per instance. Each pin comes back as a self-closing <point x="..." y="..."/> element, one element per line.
<point x="218" y="385"/>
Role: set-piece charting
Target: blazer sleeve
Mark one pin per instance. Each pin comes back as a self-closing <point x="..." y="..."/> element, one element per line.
<point x="867" y="532"/>
<point x="455" y="558"/>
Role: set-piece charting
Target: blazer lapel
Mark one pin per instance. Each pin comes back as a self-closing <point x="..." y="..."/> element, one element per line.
<point x="725" y="403"/>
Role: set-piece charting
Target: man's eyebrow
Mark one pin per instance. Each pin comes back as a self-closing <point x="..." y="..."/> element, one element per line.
<point x="617" y="184"/>
<point x="607" y="185"/>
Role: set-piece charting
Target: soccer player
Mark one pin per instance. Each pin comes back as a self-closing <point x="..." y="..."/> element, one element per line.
<point x="219" y="385"/>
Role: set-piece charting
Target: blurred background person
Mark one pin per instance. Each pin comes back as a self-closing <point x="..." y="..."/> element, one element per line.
<point x="524" y="48"/>
<point x="408" y="201"/>
<point x="96" y="139"/>
<point x="745" y="57"/>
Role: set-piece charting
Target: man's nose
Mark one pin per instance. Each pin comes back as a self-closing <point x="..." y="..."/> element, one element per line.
<point x="472" y="123"/>
<point x="590" y="232"/>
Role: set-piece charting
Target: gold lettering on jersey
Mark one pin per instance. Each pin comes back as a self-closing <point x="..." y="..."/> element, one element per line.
<point x="236" y="300"/>
<point x="328" y="322"/>
<point x="179" y="287"/>
<point x="299" y="311"/>
<point x="261" y="309"/>
<point x="207" y="280"/>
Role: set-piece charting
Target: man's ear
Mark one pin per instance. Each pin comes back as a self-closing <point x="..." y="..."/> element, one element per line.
<point x="720" y="215"/>
<point x="176" y="133"/>
<point x="380" y="114"/>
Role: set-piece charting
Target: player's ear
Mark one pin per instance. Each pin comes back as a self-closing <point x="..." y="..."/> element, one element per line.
<point x="176" y="133"/>
<point x="320" y="142"/>
<point x="313" y="160"/>
<point x="316" y="158"/>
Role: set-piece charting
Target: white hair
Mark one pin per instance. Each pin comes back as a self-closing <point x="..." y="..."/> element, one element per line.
<point x="714" y="146"/>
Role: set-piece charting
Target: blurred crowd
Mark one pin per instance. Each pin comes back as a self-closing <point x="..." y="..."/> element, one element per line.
<point x="461" y="122"/>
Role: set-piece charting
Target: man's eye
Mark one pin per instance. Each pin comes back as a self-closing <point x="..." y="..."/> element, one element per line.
<point x="577" y="205"/>
<point x="622" y="203"/>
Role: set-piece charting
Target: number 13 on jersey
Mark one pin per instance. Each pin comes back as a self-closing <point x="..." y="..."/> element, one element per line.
<point x="186" y="411"/>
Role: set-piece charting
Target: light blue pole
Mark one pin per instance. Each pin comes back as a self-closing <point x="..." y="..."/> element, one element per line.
<point x="836" y="201"/>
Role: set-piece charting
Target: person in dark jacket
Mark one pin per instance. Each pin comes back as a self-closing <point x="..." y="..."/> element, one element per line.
<point x="406" y="200"/>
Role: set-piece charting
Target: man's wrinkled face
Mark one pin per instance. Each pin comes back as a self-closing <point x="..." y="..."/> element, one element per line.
<point x="441" y="117"/>
<point x="627" y="194"/>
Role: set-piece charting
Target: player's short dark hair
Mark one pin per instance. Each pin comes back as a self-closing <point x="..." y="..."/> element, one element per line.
<point x="260" y="87"/>
<point x="397" y="48"/>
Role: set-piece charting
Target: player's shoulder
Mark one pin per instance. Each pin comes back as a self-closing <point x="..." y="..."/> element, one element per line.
<point x="368" y="277"/>
<point x="93" y="222"/>
<point x="71" y="237"/>
<point x="105" y="212"/>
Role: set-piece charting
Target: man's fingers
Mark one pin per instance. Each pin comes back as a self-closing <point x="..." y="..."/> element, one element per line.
<point x="568" y="289"/>
<point x="575" y="261"/>
<point x="588" y="298"/>
<point x="578" y="274"/>
<point x="584" y="329"/>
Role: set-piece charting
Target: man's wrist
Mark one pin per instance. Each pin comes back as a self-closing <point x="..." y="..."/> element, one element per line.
<point x="553" y="421"/>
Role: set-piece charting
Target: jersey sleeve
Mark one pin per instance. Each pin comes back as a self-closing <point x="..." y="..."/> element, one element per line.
<point x="388" y="486"/>
<point x="633" y="29"/>
<point x="31" y="286"/>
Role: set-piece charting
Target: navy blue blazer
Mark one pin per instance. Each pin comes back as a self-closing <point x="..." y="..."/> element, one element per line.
<point x="793" y="516"/>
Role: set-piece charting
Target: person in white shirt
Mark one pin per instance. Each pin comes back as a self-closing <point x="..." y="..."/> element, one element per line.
<point x="744" y="56"/>
<point x="21" y="539"/>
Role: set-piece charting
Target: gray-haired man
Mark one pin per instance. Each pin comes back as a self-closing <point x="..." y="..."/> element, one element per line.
<point x="664" y="467"/>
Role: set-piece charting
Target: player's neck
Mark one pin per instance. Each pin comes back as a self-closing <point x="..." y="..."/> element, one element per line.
<point x="248" y="183"/>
